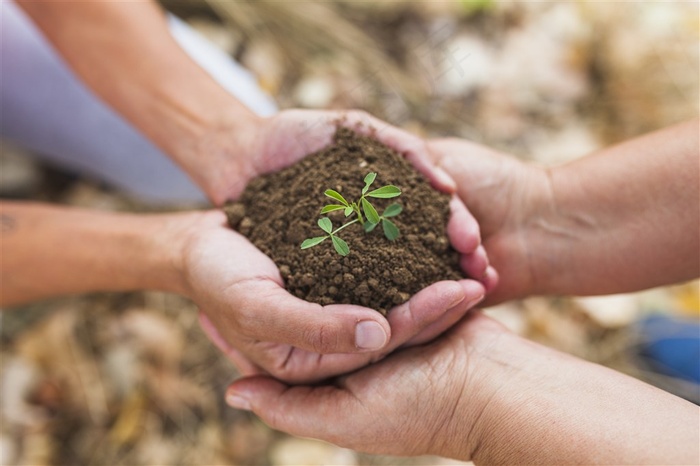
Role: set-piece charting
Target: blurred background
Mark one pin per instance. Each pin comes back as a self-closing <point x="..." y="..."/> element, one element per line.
<point x="129" y="379"/>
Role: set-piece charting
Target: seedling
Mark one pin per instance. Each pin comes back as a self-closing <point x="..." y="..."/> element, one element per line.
<point x="363" y="210"/>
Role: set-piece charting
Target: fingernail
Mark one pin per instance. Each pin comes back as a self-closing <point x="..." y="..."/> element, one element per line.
<point x="237" y="401"/>
<point x="475" y="301"/>
<point x="445" y="179"/>
<point x="370" y="335"/>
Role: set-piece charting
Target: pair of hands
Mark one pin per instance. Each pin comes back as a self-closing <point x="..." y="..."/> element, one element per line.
<point x="262" y="328"/>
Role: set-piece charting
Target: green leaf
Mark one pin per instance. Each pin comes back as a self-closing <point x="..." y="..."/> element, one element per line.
<point x="370" y="226"/>
<point x="370" y="211"/>
<point x="325" y="224"/>
<point x="392" y="210"/>
<point x="336" y="195"/>
<point x="385" y="192"/>
<point x="331" y="208"/>
<point x="340" y="246"/>
<point x="348" y="211"/>
<point x="369" y="179"/>
<point x="391" y="231"/>
<point x="312" y="242"/>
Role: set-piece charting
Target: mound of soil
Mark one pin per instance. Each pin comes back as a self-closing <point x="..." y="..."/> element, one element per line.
<point x="280" y="210"/>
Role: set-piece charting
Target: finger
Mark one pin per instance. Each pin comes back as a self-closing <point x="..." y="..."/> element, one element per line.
<point x="475" y="264"/>
<point x="412" y="147"/>
<point x="302" y="410"/>
<point x="491" y="279"/>
<point x="244" y="365"/>
<point x="423" y="309"/>
<point x="269" y="313"/>
<point x="462" y="228"/>
<point x="475" y="293"/>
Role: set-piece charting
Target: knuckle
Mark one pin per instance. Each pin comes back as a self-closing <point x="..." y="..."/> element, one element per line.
<point x="322" y="338"/>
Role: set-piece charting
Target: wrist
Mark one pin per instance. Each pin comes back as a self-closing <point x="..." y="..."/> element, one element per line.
<point x="177" y="233"/>
<point x="219" y="154"/>
<point x="489" y="358"/>
<point x="165" y="238"/>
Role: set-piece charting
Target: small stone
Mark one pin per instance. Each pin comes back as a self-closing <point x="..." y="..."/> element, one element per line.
<point x="246" y="226"/>
<point x="235" y="213"/>
<point x="307" y="280"/>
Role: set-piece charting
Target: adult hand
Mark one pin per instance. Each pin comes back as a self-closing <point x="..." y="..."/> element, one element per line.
<point x="238" y="153"/>
<point x="287" y="137"/>
<point x="509" y="199"/>
<point x="262" y="328"/>
<point x="278" y="142"/>
<point x="481" y="393"/>
<point x="422" y="400"/>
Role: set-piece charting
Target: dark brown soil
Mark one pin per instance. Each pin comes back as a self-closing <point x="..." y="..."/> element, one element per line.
<point x="279" y="211"/>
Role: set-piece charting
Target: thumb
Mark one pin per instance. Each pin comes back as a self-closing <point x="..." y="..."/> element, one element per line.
<point x="299" y="410"/>
<point x="274" y="315"/>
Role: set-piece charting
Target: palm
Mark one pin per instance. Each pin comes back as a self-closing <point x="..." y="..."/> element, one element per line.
<point x="242" y="294"/>
<point x="292" y="134"/>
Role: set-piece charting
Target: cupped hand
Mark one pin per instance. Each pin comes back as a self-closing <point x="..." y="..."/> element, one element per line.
<point x="422" y="400"/>
<point x="281" y="140"/>
<point x="285" y="138"/>
<point x="509" y="199"/>
<point x="263" y="329"/>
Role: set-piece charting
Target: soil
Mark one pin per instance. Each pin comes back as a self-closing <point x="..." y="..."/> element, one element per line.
<point x="280" y="210"/>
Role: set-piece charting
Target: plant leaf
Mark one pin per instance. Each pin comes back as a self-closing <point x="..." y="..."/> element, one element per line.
<point x="331" y="208"/>
<point x="391" y="231"/>
<point x="340" y="246"/>
<point x="392" y="210"/>
<point x="385" y="192"/>
<point x="348" y="211"/>
<point x="370" y="211"/>
<point x="336" y="195"/>
<point x="370" y="226"/>
<point x="325" y="224"/>
<point x="312" y="242"/>
<point x="369" y="179"/>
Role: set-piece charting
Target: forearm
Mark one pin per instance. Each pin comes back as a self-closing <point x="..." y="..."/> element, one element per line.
<point x="624" y="219"/>
<point x="125" y="53"/>
<point x="50" y="251"/>
<point x="546" y="407"/>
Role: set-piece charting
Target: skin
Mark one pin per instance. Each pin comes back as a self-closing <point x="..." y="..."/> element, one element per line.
<point x="222" y="146"/>
<point x="269" y="330"/>
<point x="619" y="220"/>
<point x="623" y="219"/>
<point x="483" y="394"/>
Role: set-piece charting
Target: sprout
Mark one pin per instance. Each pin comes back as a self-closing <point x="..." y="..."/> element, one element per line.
<point x="365" y="214"/>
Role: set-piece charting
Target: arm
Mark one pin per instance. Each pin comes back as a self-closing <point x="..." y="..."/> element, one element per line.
<point x="125" y="53"/>
<point x="51" y="251"/>
<point x="486" y="395"/>
<point x="623" y="219"/>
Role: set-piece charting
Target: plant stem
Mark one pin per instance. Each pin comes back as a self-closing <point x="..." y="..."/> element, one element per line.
<point x="349" y="223"/>
<point x="356" y="208"/>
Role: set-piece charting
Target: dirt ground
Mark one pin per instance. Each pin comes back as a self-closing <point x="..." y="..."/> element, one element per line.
<point x="129" y="378"/>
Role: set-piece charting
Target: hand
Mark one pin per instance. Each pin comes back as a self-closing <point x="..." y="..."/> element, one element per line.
<point x="509" y="199"/>
<point x="262" y="328"/>
<point x="422" y="400"/>
<point x="243" y="150"/>
<point x="268" y="145"/>
<point x="483" y="394"/>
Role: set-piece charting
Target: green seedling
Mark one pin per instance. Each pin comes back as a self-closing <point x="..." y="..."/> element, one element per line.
<point x="363" y="210"/>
